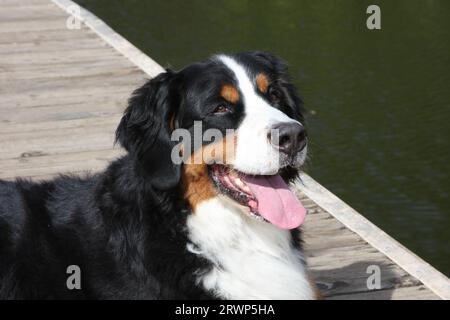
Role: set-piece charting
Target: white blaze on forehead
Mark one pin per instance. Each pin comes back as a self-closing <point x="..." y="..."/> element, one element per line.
<point x="245" y="84"/>
<point x="255" y="106"/>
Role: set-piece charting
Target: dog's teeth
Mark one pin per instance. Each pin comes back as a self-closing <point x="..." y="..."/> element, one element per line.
<point x="242" y="185"/>
<point x="239" y="182"/>
<point x="227" y="180"/>
<point x="257" y="217"/>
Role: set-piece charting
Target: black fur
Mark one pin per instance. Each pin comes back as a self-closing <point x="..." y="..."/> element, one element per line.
<point x="125" y="227"/>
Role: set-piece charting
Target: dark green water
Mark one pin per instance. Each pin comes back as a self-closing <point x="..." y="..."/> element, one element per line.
<point x="378" y="101"/>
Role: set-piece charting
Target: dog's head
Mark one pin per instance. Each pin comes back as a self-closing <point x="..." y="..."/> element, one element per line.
<point x="242" y="126"/>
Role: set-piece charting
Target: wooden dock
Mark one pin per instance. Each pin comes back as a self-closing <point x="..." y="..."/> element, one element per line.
<point x="62" y="92"/>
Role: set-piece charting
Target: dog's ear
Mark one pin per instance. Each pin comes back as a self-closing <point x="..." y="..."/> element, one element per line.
<point x="144" y="131"/>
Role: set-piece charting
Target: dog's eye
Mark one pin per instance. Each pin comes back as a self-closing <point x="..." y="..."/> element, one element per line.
<point x="221" y="108"/>
<point x="274" y="94"/>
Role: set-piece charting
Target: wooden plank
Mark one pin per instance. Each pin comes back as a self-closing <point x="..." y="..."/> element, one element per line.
<point x="65" y="113"/>
<point x="21" y="3"/>
<point x="71" y="96"/>
<point x="57" y="70"/>
<point x="35" y="25"/>
<point x="47" y="130"/>
<point x="43" y="50"/>
<point x="320" y="243"/>
<point x="22" y="128"/>
<point x="21" y="37"/>
<point x="43" y="46"/>
<point x="122" y="45"/>
<point x="30" y="12"/>
<point x="47" y="55"/>
<point x="38" y="164"/>
<point x="106" y="79"/>
<point x="404" y="293"/>
<point x="327" y="240"/>
<point x="92" y="140"/>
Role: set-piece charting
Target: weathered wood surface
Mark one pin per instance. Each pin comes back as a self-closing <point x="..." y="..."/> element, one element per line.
<point x="61" y="95"/>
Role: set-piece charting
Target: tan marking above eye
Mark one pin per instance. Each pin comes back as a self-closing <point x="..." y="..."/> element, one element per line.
<point x="229" y="93"/>
<point x="262" y="82"/>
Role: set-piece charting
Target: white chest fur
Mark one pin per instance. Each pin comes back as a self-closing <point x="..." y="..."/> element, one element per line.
<point x="252" y="259"/>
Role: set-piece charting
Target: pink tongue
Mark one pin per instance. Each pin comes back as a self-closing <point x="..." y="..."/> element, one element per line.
<point x="276" y="202"/>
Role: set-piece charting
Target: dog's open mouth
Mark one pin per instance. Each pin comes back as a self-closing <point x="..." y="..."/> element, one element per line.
<point x="267" y="197"/>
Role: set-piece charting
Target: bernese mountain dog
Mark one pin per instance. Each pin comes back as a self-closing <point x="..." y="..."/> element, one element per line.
<point x="150" y="227"/>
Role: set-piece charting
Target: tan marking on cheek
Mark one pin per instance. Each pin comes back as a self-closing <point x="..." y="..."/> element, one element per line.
<point x="262" y="82"/>
<point x="229" y="93"/>
<point x="197" y="184"/>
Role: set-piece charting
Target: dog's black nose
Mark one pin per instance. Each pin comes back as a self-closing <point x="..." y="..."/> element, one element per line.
<point x="288" y="137"/>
